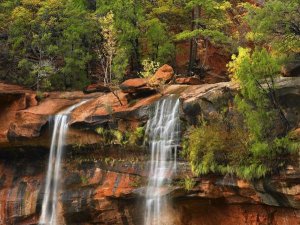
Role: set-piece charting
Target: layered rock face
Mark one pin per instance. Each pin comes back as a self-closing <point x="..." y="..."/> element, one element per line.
<point x="104" y="183"/>
<point x="110" y="192"/>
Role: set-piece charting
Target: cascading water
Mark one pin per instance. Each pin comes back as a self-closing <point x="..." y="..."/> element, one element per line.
<point x="163" y="129"/>
<point x="49" y="206"/>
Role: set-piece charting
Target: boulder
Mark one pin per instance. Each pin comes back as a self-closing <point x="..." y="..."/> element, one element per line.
<point x="163" y="75"/>
<point x="99" y="87"/>
<point x="188" y="80"/>
<point x="137" y="88"/>
<point x="133" y="85"/>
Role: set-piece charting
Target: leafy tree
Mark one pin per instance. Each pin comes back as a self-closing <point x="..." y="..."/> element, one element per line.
<point x="128" y="16"/>
<point x="166" y="18"/>
<point x="209" y="23"/>
<point x="250" y="140"/>
<point x="25" y="38"/>
<point x="159" y="45"/>
<point x="255" y="73"/>
<point x="52" y="40"/>
<point x="276" y="23"/>
<point x="77" y="39"/>
<point x="108" y="52"/>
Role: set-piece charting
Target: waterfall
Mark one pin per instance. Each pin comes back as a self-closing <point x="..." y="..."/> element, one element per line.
<point x="163" y="129"/>
<point x="52" y="187"/>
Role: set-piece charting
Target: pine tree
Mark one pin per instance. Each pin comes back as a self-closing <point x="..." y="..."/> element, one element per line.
<point x="209" y="23"/>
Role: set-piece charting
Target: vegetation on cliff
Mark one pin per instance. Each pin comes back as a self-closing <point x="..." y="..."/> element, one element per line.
<point x="67" y="44"/>
<point x="249" y="139"/>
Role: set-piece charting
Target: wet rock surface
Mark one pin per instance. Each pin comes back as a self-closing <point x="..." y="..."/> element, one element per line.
<point x="102" y="191"/>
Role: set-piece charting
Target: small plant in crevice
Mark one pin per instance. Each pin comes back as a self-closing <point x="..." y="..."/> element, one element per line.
<point x="136" y="182"/>
<point x="84" y="180"/>
<point x="188" y="183"/>
<point x="126" y="139"/>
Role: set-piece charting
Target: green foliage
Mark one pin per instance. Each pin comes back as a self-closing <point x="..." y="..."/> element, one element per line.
<point x="225" y="148"/>
<point x="218" y="146"/>
<point x="255" y="74"/>
<point x="136" y="137"/>
<point x="189" y="183"/>
<point x="136" y="183"/>
<point x="84" y="180"/>
<point x="149" y="68"/>
<point x="115" y="137"/>
<point x="212" y="24"/>
<point x="261" y="149"/>
<point x="128" y="16"/>
<point x="159" y="46"/>
<point x="77" y="38"/>
<point x="255" y="145"/>
<point x="64" y="44"/>
<point x="277" y="23"/>
<point x="108" y="50"/>
<point x="51" y="39"/>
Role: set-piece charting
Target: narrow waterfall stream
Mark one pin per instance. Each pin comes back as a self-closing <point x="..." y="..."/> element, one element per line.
<point x="163" y="129"/>
<point x="52" y="187"/>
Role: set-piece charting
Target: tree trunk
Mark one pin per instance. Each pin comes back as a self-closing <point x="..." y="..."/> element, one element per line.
<point x="194" y="41"/>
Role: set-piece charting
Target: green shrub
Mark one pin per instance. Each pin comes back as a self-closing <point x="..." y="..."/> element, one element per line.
<point x="149" y="68"/>
<point x="130" y="138"/>
<point x="251" y="140"/>
<point x="189" y="183"/>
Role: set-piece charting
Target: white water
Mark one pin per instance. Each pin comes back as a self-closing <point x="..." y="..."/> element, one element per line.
<point x="164" y="134"/>
<point x="49" y="206"/>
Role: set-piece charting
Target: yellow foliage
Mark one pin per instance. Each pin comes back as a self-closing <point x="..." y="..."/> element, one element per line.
<point x="31" y="2"/>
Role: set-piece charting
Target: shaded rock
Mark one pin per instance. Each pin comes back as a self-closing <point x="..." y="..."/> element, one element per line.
<point x="291" y="69"/>
<point x="215" y="58"/>
<point x="27" y="125"/>
<point x="188" y="80"/>
<point x="31" y="100"/>
<point x="207" y="211"/>
<point x="288" y="91"/>
<point x="99" y="87"/>
<point x="12" y="99"/>
<point x="163" y="75"/>
<point x="206" y="100"/>
<point x="107" y="110"/>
